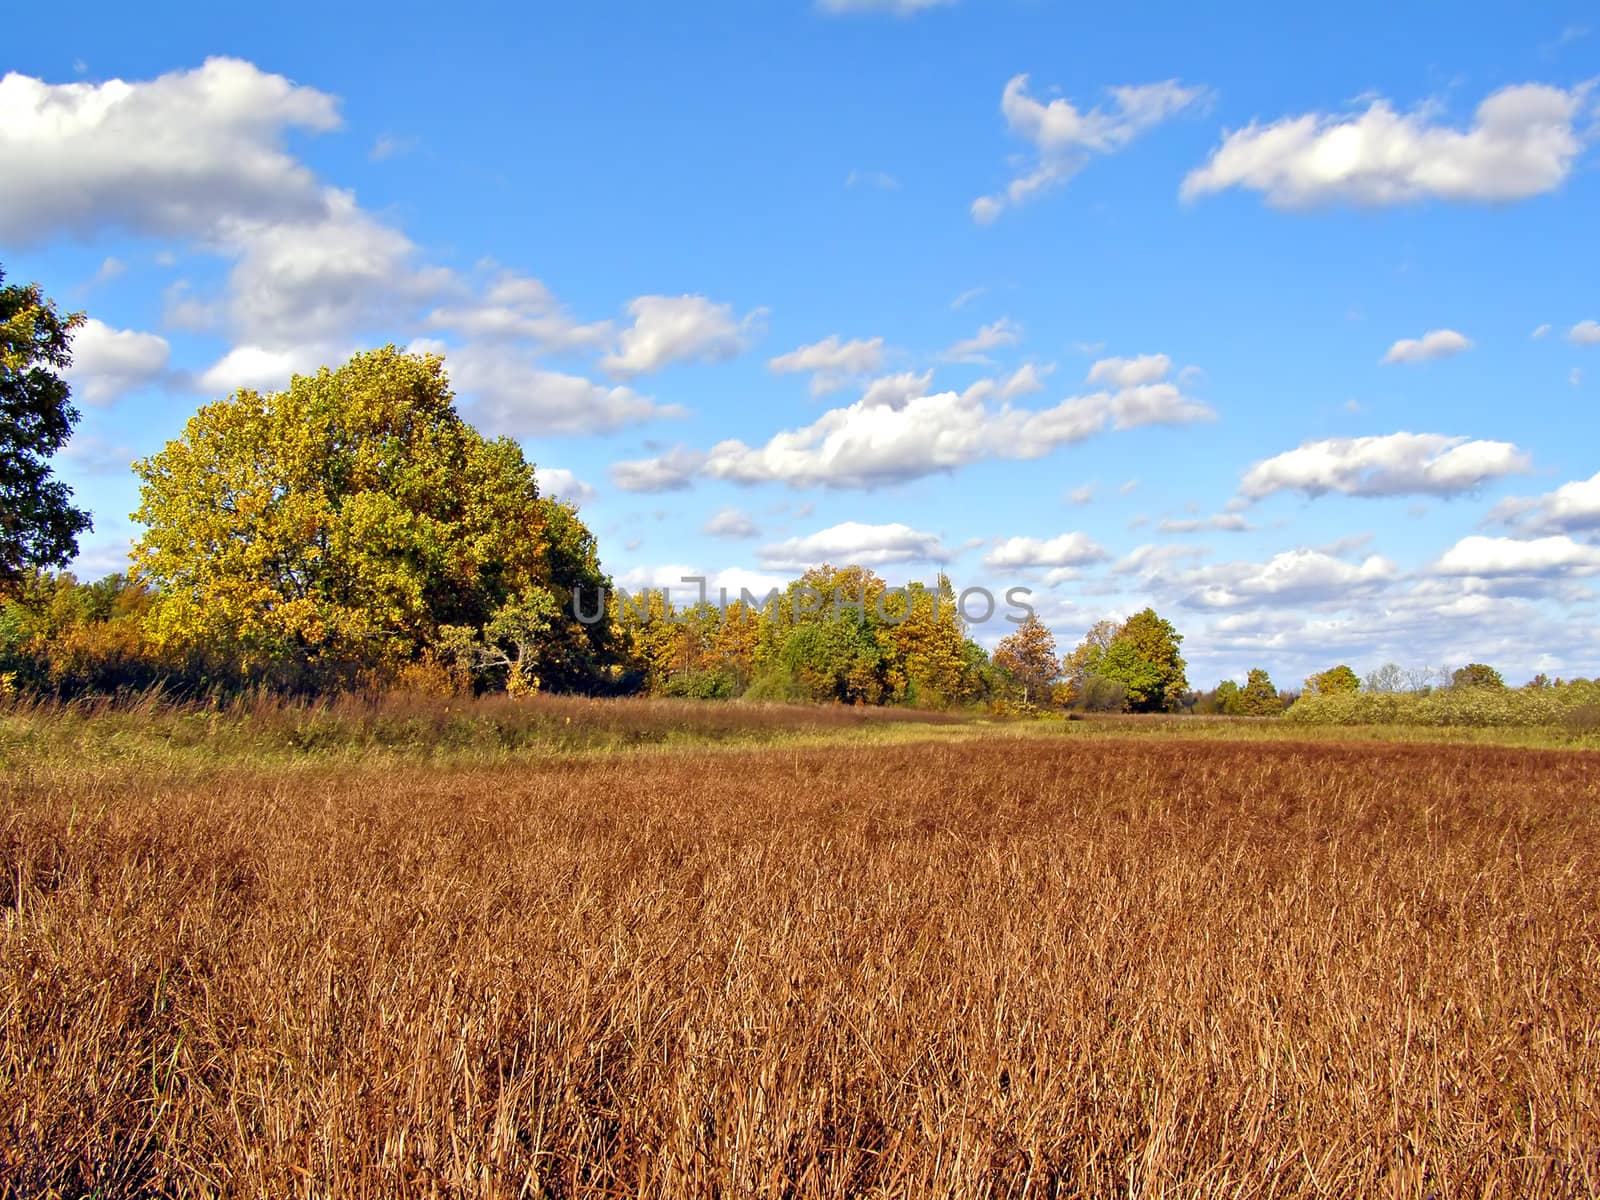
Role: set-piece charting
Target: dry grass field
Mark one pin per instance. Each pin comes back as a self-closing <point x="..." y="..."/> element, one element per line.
<point x="978" y="966"/>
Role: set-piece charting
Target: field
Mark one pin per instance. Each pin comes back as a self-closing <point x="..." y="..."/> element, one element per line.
<point x="681" y="951"/>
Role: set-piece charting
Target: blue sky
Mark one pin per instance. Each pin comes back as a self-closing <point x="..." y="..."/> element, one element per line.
<point x="1283" y="323"/>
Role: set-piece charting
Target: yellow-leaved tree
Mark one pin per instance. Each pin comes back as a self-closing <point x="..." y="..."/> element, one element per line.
<point x="354" y="522"/>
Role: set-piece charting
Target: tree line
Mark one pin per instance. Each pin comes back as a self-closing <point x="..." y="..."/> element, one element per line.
<point x="353" y="531"/>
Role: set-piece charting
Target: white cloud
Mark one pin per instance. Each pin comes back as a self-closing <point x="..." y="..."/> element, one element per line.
<point x="1081" y="494"/>
<point x="562" y="484"/>
<point x="1150" y="559"/>
<point x="1223" y="522"/>
<point x="669" y="329"/>
<point x="187" y="154"/>
<point x="974" y="349"/>
<point x="1571" y="507"/>
<point x="516" y="306"/>
<point x="966" y="298"/>
<point x="111" y="267"/>
<point x="1066" y="550"/>
<point x="1064" y="137"/>
<point x="1522" y="142"/>
<point x="1435" y="344"/>
<point x="732" y="523"/>
<point x="1304" y="575"/>
<point x="1130" y="372"/>
<point x="329" y="277"/>
<point x="1541" y="331"/>
<point x="1481" y="556"/>
<point x="898" y="433"/>
<point x="507" y="392"/>
<point x="1026" y="380"/>
<point x="832" y="362"/>
<point x="259" y="369"/>
<point x="671" y="472"/>
<point x="1393" y="465"/>
<point x="1585" y="333"/>
<point x="107" y="363"/>
<point x="855" y="543"/>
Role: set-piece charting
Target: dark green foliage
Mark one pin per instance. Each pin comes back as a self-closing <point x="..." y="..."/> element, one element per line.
<point x="39" y="526"/>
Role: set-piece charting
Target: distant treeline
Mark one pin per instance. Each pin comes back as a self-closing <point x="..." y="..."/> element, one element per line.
<point x="352" y="532"/>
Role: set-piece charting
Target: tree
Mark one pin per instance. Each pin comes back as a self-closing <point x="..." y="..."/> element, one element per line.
<point x="1085" y="658"/>
<point x="1333" y="681"/>
<point x="344" y="523"/>
<point x="1029" y="657"/>
<point x="1390" y="677"/>
<point x="1226" y="698"/>
<point x="1258" y="698"/>
<point x="39" y="527"/>
<point x="1476" y="675"/>
<point x="1144" y="658"/>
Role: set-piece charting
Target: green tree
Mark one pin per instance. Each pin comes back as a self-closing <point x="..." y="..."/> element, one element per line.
<point x="1226" y="698"/>
<point x="1144" y="658"/>
<point x="343" y="523"/>
<point x="39" y="526"/>
<point x="1476" y="675"/>
<point x="1029" y="657"/>
<point x="1333" y="681"/>
<point x="1258" y="698"/>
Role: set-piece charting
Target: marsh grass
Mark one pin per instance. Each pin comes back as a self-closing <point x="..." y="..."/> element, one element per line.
<point x="993" y="966"/>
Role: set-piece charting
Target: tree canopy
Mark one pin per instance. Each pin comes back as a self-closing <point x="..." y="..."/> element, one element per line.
<point x="39" y="526"/>
<point x="1029" y="657"/>
<point x="1333" y="681"/>
<point x="349" y="521"/>
<point x="1141" y="655"/>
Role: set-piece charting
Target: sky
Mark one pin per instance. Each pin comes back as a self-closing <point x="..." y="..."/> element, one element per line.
<point x="1284" y="322"/>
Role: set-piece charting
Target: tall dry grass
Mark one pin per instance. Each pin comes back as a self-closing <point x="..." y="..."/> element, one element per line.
<point x="989" y="968"/>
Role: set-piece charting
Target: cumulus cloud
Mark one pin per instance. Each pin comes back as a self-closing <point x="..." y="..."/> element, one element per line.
<point x="854" y="542"/>
<point x="1572" y="507"/>
<point x="1065" y="550"/>
<point x="1222" y="522"/>
<point x="670" y="472"/>
<point x="108" y="363"/>
<point x="507" y="392"/>
<point x="832" y="362"/>
<point x="260" y="369"/>
<point x="516" y="306"/>
<point x="1151" y="559"/>
<point x="1437" y="343"/>
<point x="187" y="154"/>
<point x="1585" y="333"/>
<point x="668" y="329"/>
<point x="900" y="431"/>
<point x="562" y="484"/>
<point x="1488" y="557"/>
<point x="1298" y="575"/>
<point x="975" y="349"/>
<point x="1396" y="464"/>
<point x="1522" y="142"/>
<point x="1065" y="137"/>
<point x="732" y="523"/>
<point x="1130" y="372"/>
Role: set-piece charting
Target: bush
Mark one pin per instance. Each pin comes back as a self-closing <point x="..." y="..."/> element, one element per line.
<point x="1552" y="707"/>
<point x="1101" y="695"/>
